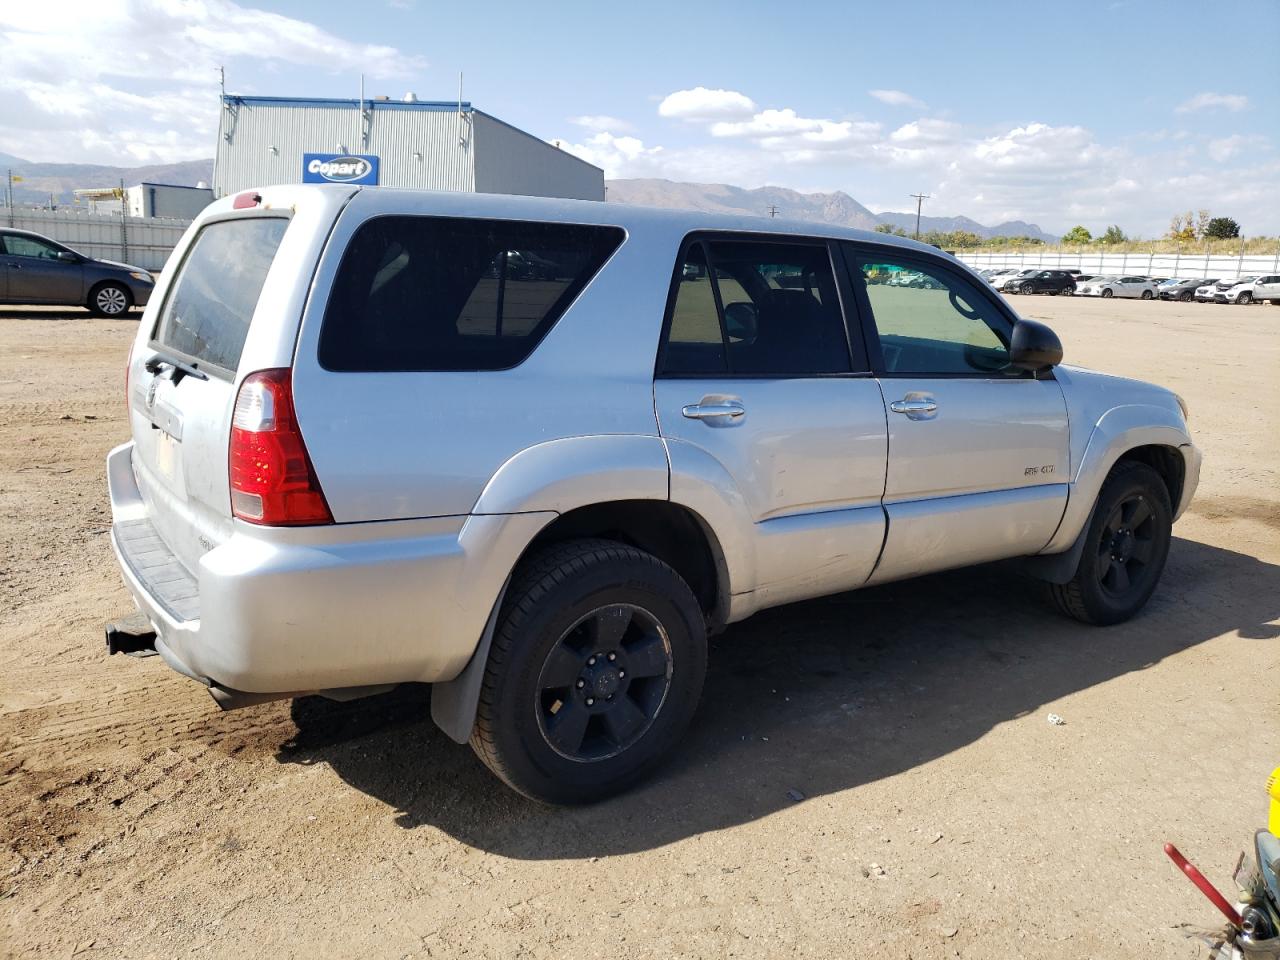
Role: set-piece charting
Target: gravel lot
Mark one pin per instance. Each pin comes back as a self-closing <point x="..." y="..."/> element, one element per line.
<point x="942" y="815"/>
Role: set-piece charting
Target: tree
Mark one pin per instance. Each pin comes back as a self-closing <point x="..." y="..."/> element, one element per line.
<point x="884" y="228"/>
<point x="1202" y="223"/>
<point x="1182" y="227"/>
<point x="1221" y="228"/>
<point x="1113" y="235"/>
<point x="1077" y="234"/>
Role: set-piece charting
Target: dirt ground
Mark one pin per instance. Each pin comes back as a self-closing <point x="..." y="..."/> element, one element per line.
<point x="942" y="815"/>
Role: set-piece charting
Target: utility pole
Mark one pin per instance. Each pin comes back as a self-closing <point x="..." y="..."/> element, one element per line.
<point x="773" y="211"/>
<point x="920" y="199"/>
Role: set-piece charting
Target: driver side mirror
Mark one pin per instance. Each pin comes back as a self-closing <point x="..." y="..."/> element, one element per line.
<point x="1034" y="347"/>
<point x="66" y="256"/>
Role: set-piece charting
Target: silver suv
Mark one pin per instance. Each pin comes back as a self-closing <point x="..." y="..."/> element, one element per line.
<point x="533" y="452"/>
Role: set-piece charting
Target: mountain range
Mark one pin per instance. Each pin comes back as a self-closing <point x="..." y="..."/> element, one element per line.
<point x="838" y="207"/>
<point x="39" y="180"/>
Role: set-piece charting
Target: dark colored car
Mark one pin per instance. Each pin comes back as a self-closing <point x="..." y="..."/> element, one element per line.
<point x="1046" y="281"/>
<point x="1184" y="290"/>
<point x="35" y="269"/>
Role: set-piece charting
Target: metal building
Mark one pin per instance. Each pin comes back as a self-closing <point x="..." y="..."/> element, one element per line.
<point x="394" y="143"/>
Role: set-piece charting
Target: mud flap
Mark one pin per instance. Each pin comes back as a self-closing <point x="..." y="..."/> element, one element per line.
<point x="1060" y="567"/>
<point x="454" y="703"/>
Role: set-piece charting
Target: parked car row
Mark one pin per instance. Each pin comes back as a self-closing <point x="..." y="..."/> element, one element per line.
<point x="1256" y="288"/>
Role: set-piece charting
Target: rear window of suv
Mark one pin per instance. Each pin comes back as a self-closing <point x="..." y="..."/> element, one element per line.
<point x="207" y="312"/>
<point x="439" y="293"/>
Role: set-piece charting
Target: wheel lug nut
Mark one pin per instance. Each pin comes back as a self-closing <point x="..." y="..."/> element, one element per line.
<point x="581" y="683"/>
<point x="591" y="661"/>
<point x="613" y="657"/>
<point x="590" y="702"/>
<point x="621" y="674"/>
<point x="609" y="697"/>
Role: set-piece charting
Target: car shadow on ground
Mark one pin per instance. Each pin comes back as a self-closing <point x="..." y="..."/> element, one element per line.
<point x="847" y="690"/>
<point x="62" y="313"/>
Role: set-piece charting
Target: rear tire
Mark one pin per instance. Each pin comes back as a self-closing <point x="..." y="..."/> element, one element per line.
<point x="1125" y="548"/>
<point x="110" y="299"/>
<point x="1147" y="295"/>
<point x="595" y="672"/>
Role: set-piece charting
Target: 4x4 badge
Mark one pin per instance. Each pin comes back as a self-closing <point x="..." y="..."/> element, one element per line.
<point x="151" y="392"/>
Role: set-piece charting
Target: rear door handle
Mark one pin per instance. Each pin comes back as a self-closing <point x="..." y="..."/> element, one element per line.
<point x="729" y="409"/>
<point x="916" y="408"/>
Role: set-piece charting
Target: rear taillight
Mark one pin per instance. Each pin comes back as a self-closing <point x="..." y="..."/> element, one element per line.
<point x="272" y="480"/>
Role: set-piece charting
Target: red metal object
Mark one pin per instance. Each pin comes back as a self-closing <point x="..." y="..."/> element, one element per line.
<point x="1207" y="888"/>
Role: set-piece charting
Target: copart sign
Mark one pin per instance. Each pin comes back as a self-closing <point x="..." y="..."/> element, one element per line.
<point x="339" y="168"/>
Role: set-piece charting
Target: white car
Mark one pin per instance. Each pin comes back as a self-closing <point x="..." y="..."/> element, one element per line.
<point x="997" y="277"/>
<point x="1237" y="291"/>
<point x="1206" y="293"/>
<point x="1135" y="287"/>
<point x="1013" y="279"/>
<point x="1268" y="288"/>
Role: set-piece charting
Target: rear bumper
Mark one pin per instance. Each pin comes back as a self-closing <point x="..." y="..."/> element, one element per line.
<point x="347" y="605"/>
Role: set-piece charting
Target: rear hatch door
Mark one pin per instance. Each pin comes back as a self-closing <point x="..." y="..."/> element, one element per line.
<point x="231" y="305"/>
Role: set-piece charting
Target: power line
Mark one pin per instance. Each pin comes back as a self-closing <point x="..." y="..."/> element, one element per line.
<point x="773" y="211"/>
<point x="920" y="199"/>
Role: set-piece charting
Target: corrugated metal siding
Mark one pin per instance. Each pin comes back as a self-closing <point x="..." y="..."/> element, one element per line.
<point x="511" y="161"/>
<point x="395" y="135"/>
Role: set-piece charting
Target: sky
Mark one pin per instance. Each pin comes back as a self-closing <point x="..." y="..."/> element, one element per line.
<point x="1120" y="111"/>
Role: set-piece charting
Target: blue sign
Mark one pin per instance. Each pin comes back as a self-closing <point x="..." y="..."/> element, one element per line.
<point x="339" y="168"/>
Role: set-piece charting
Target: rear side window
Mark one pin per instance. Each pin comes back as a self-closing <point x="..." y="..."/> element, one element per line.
<point x="207" y="312"/>
<point x="756" y="308"/>
<point x="438" y="293"/>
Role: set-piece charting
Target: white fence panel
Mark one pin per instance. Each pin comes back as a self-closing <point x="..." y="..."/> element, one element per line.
<point x="1184" y="265"/>
<point x="142" y="241"/>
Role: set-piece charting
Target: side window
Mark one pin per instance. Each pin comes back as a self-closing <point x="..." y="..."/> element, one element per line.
<point x="436" y="293"/>
<point x="756" y="308"/>
<point x="695" y="343"/>
<point x="19" y="246"/>
<point x="931" y="321"/>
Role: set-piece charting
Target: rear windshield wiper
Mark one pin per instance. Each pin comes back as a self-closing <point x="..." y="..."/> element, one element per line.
<point x="181" y="368"/>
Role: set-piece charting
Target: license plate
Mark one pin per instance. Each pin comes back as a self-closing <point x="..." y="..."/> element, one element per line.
<point x="166" y="455"/>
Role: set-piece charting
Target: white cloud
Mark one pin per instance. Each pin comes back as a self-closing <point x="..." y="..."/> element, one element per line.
<point x="1224" y="149"/>
<point x="617" y="156"/>
<point x="926" y="130"/>
<point x="1235" y="102"/>
<point x="703" y="104"/>
<point x="897" y="98"/>
<point x="135" y="81"/>
<point x="601" y="122"/>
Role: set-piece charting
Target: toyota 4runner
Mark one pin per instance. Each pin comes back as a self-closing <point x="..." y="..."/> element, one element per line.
<point x="372" y="445"/>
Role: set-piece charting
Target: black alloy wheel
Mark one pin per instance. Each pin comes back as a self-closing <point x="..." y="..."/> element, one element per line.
<point x="603" y="683"/>
<point x="1125" y="548"/>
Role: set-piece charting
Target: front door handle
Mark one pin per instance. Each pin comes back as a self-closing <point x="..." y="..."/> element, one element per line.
<point x="916" y="408"/>
<point x="728" y="409"/>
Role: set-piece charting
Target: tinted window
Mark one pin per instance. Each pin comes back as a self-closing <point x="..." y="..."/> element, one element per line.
<point x="207" y="313"/>
<point x="762" y="308"/>
<point x="434" y="293"/>
<point x="931" y="321"/>
<point x="695" y="343"/>
<point x="20" y="246"/>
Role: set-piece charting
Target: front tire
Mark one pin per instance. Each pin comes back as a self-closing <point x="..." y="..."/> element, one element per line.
<point x="1186" y="297"/>
<point x="1106" y="293"/>
<point x="1027" y="289"/>
<point x="1125" y="548"/>
<point x="1245" y="298"/>
<point x="595" y="672"/>
<point x="110" y="300"/>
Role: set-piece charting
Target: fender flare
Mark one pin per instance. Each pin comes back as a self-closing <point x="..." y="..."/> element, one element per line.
<point x="1117" y="431"/>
